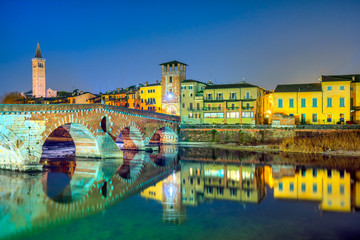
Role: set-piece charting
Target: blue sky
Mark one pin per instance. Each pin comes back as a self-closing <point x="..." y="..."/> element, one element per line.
<point x="102" y="45"/>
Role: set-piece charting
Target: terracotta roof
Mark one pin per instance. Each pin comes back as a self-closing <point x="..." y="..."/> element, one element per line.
<point x="306" y="87"/>
<point x="38" y="52"/>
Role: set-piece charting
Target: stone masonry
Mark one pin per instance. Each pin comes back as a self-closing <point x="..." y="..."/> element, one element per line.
<point x="25" y="128"/>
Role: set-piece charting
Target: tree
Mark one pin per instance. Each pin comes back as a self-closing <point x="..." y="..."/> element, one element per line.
<point x="12" y="98"/>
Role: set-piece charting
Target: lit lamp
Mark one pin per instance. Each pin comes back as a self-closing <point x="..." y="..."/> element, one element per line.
<point x="170" y="95"/>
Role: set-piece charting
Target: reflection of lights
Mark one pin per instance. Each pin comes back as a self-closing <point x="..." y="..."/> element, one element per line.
<point x="269" y="112"/>
<point x="174" y="176"/>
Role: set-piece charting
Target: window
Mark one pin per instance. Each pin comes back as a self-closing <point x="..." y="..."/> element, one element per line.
<point x="329" y="118"/>
<point x="314" y="102"/>
<point x="303" y="118"/>
<point x="314" y="188"/>
<point x="303" y="102"/>
<point x="342" y="87"/>
<point x="303" y="187"/>
<point x="170" y="79"/>
<point x="314" y="117"/>
<point x="183" y="105"/>
<point x="213" y="115"/>
<point x="232" y="114"/>
<point x="280" y="186"/>
<point x="191" y="94"/>
<point x="191" y="106"/>
<point x="220" y="191"/>
<point x="198" y="106"/>
<point x="329" y="173"/>
<point x="190" y="115"/>
<point x="342" y="173"/>
<point x="341" y="118"/>
<point x="329" y="189"/>
<point x="329" y="102"/>
<point x="209" y="190"/>
<point x="190" y="87"/>
<point x="247" y="95"/>
<point x="219" y="96"/>
<point x="303" y="172"/>
<point x="233" y="192"/>
<point x="342" y="102"/>
<point x="280" y="103"/>
<point x="329" y="88"/>
<point x="247" y="114"/>
<point x="342" y="189"/>
<point x="314" y="172"/>
<point x="233" y="95"/>
<point x="291" y="103"/>
<point x="291" y="187"/>
<point x="209" y="96"/>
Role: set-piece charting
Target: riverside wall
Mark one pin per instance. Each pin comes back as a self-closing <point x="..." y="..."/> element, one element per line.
<point x="252" y="135"/>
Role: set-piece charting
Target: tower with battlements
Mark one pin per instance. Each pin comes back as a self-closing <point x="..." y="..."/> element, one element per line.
<point x="38" y="74"/>
<point x="173" y="73"/>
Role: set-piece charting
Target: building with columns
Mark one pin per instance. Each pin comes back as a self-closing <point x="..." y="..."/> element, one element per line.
<point x="38" y="74"/>
<point x="173" y="73"/>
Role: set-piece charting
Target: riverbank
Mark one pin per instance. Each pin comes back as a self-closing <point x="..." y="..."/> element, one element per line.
<point x="325" y="142"/>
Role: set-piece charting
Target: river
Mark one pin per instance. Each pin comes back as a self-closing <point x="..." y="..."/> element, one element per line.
<point x="182" y="192"/>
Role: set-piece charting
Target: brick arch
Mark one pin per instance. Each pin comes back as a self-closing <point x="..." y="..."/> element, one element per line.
<point x="134" y="139"/>
<point x="84" y="139"/>
<point x="13" y="152"/>
<point x="170" y="137"/>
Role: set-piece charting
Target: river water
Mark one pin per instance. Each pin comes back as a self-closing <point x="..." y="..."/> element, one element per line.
<point x="182" y="193"/>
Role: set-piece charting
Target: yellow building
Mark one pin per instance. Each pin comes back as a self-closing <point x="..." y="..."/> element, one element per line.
<point x="333" y="100"/>
<point x="192" y="102"/>
<point x="150" y="96"/>
<point x="240" y="103"/>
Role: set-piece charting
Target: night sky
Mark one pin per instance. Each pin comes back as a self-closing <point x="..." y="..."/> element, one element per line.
<point x="100" y="45"/>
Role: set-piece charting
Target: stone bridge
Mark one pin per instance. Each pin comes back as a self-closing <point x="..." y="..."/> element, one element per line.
<point x="93" y="128"/>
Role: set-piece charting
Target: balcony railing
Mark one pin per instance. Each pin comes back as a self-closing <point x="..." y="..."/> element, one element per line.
<point x="232" y="108"/>
<point x="247" y="108"/>
<point x="212" y="109"/>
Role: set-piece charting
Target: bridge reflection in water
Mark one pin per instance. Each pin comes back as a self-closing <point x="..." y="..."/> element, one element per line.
<point x="78" y="188"/>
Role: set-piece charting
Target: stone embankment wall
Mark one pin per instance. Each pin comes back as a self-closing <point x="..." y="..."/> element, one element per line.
<point x="249" y="136"/>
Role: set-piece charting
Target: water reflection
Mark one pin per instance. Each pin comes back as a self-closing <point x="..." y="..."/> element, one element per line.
<point x="79" y="187"/>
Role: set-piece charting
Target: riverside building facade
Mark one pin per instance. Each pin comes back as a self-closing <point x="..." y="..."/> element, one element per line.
<point x="333" y="100"/>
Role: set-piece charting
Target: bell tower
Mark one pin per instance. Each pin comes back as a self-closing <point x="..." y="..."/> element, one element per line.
<point x="173" y="73"/>
<point x="38" y="74"/>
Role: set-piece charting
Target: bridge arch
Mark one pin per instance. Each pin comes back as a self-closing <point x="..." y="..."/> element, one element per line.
<point x="132" y="136"/>
<point x="164" y="134"/>
<point x="85" y="142"/>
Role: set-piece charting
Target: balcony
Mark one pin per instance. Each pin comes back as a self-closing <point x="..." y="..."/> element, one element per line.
<point x="213" y="109"/>
<point x="232" y="108"/>
<point x="247" y="108"/>
<point x="194" y="109"/>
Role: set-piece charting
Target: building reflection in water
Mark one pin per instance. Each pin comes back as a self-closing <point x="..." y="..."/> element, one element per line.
<point x="198" y="182"/>
<point x="335" y="190"/>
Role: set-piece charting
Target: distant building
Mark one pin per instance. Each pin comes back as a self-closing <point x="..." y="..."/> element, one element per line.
<point x="81" y="98"/>
<point x="51" y="93"/>
<point x="192" y="102"/>
<point x="150" y="96"/>
<point x="239" y="103"/>
<point x="38" y="74"/>
<point x="173" y="73"/>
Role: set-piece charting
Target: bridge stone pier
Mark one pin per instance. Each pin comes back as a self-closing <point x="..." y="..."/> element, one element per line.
<point x="24" y="129"/>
